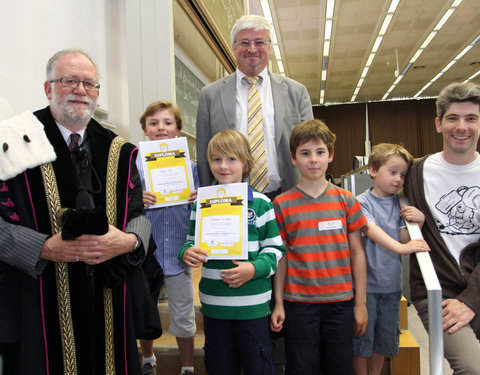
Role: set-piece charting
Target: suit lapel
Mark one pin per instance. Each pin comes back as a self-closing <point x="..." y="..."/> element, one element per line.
<point x="279" y="94"/>
<point x="227" y="97"/>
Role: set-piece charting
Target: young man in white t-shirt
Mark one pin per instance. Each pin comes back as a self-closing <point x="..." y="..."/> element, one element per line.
<point x="446" y="187"/>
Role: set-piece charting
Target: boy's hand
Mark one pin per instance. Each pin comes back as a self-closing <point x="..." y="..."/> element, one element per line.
<point x="192" y="196"/>
<point x="194" y="256"/>
<point x="360" y="316"/>
<point x="277" y="318"/>
<point x="414" y="246"/>
<point x="149" y="198"/>
<point x="237" y="276"/>
<point x="412" y="214"/>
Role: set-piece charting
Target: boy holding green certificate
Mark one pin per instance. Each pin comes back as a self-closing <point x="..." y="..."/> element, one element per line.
<point x="235" y="295"/>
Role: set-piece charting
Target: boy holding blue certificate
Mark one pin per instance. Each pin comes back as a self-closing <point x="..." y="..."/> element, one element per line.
<point x="235" y="295"/>
<point x="162" y="120"/>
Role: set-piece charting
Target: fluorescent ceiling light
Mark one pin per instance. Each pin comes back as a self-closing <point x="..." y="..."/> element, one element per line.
<point x="425" y="43"/>
<point x="276" y="51"/>
<point x="386" y="23"/>
<point x="326" y="48"/>
<point x="465" y="50"/>
<point x="266" y="10"/>
<point x="393" y="6"/>
<point x="370" y="59"/>
<point x="376" y="45"/>
<point x="472" y="76"/>
<point x="428" y="40"/>
<point x="365" y="71"/>
<point x="328" y="29"/>
<point x="415" y="57"/>
<point x="330" y="8"/>
<point x="444" y="19"/>
<point x="280" y="66"/>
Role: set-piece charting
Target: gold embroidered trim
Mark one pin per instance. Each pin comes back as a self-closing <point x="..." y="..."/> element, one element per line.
<point x="109" y="353"/>
<point x="111" y="209"/>
<point x="61" y="271"/>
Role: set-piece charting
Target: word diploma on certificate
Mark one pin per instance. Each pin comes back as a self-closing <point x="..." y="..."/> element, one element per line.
<point x="167" y="170"/>
<point x="221" y="227"/>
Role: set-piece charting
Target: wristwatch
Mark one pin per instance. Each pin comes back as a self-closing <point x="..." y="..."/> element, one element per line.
<point x="138" y="242"/>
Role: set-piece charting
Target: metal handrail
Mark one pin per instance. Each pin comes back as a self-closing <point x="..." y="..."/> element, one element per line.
<point x="434" y="296"/>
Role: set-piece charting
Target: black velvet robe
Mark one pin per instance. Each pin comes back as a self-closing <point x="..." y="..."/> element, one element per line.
<point x="33" y="319"/>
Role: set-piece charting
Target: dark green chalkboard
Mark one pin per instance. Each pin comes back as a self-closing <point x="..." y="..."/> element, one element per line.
<point x="187" y="87"/>
<point x="224" y="14"/>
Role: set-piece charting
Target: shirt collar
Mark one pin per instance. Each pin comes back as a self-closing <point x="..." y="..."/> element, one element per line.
<point x="66" y="133"/>
<point x="250" y="193"/>
<point x="240" y="75"/>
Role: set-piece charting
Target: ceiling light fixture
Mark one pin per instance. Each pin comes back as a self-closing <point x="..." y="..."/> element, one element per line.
<point x="449" y="65"/>
<point x="383" y="29"/>
<point x="276" y="48"/>
<point x="424" y="45"/>
<point x="327" y="37"/>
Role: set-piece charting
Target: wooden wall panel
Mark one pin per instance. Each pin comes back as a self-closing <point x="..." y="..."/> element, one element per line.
<point x="410" y="122"/>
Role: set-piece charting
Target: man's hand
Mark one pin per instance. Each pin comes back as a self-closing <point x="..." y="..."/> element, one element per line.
<point x="105" y="247"/>
<point x="88" y="248"/>
<point x="237" y="276"/>
<point x="55" y="249"/>
<point x="456" y="314"/>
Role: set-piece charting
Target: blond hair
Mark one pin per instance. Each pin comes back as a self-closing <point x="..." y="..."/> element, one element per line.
<point x="231" y="143"/>
<point x="161" y="105"/>
<point x="383" y="151"/>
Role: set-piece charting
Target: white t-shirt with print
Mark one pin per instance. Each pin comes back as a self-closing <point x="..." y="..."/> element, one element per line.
<point x="453" y="195"/>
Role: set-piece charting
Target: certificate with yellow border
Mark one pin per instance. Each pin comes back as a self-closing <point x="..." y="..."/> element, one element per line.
<point x="221" y="227"/>
<point x="167" y="170"/>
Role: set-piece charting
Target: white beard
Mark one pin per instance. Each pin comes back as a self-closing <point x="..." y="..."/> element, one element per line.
<point x="69" y="114"/>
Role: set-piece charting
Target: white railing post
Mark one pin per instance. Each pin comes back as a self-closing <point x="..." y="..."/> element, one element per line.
<point x="434" y="295"/>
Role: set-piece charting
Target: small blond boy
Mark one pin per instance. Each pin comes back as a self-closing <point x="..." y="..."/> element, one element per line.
<point x="386" y="239"/>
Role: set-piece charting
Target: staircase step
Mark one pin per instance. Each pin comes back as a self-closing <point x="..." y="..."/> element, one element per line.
<point x="403" y="313"/>
<point x="168" y="341"/>
<point x="407" y="361"/>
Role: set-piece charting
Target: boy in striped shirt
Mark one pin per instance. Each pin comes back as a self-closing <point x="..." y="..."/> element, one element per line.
<point x="320" y="226"/>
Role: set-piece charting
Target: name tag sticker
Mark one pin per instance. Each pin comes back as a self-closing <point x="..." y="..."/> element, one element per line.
<point x="329" y="225"/>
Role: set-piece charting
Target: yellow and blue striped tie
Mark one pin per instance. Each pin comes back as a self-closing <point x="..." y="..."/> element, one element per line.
<point x="259" y="176"/>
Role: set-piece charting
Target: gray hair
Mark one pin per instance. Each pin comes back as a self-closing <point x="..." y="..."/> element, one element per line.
<point x="251" y="21"/>
<point x="457" y="93"/>
<point x="52" y="62"/>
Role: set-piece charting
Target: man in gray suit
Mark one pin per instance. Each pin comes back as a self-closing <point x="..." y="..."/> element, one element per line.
<point x="223" y="104"/>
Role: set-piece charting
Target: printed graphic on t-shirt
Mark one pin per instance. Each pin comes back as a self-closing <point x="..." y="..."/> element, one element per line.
<point x="460" y="210"/>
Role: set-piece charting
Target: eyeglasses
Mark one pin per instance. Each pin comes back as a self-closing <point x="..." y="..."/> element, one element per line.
<point x="74" y="82"/>
<point x="257" y="43"/>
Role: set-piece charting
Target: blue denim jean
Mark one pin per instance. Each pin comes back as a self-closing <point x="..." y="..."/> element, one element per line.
<point x="232" y="346"/>
<point x="319" y="337"/>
